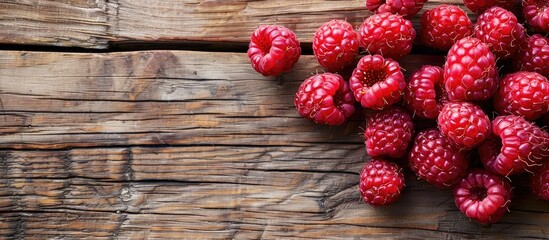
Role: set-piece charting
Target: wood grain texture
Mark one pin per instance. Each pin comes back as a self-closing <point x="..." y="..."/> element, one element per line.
<point x="67" y="23"/>
<point x="96" y="23"/>
<point x="65" y="100"/>
<point x="171" y="192"/>
<point x="234" y="21"/>
<point x="181" y="144"/>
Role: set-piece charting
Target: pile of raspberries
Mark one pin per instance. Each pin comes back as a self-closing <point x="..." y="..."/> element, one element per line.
<point x="485" y="123"/>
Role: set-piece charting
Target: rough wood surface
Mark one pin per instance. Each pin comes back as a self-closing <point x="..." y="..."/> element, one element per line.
<point x="179" y="144"/>
<point x="93" y="24"/>
<point x="64" y="100"/>
<point x="67" y="23"/>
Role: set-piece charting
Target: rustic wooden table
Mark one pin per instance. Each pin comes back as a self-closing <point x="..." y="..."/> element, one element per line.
<point x="134" y="119"/>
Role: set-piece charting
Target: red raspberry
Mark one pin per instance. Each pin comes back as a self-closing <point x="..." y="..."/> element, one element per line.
<point x="325" y="98"/>
<point x="387" y="34"/>
<point x="273" y="49"/>
<point x="405" y="8"/>
<point x="442" y="26"/>
<point x="464" y="124"/>
<point x="515" y="146"/>
<point x="433" y="159"/>
<point x="478" y="6"/>
<point x="377" y="82"/>
<point x="488" y="152"/>
<point x="483" y="196"/>
<point x="335" y="45"/>
<point x="536" y="13"/>
<point x="534" y="55"/>
<point x="523" y="94"/>
<point x="539" y="183"/>
<point x="425" y="94"/>
<point x="501" y="30"/>
<point x="381" y="182"/>
<point x="470" y="72"/>
<point x="388" y="133"/>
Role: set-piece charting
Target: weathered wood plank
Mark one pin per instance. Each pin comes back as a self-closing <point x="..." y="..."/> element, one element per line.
<point x="161" y="97"/>
<point x="270" y="199"/>
<point x="227" y="164"/>
<point x="93" y="24"/>
<point x="67" y="23"/>
<point x="59" y="225"/>
<point x="274" y="191"/>
<point x="71" y="224"/>
<point x="234" y="21"/>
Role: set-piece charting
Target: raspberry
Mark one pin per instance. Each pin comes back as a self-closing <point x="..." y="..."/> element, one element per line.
<point x="470" y="72"/>
<point x="534" y="55"/>
<point x="483" y="196"/>
<point x="539" y="183"/>
<point x="425" y="94"/>
<point x="536" y="13"/>
<point x="273" y="50"/>
<point x="387" y="34"/>
<point x="388" y="133"/>
<point x="516" y="146"/>
<point x="488" y="152"/>
<point x="523" y="94"/>
<point x="377" y="82"/>
<point x="464" y="124"/>
<point x="500" y="29"/>
<point x="433" y="159"/>
<point x="442" y="26"/>
<point x="478" y="6"/>
<point x="335" y="45"/>
<point x="405" y="8"/>
<point x="381" y="182"/>
<point x="325" y="98"/>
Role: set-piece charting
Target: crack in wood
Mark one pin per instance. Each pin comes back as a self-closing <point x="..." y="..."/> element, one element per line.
<point x="113" y="12"/>
<point x="67" y="162"/>
<point x="121" y="220"/>
<point x="128" y="162"/>
<point x="4" y="156"/>
<point x="3" y="111"/>
<point x="18" y="228"/>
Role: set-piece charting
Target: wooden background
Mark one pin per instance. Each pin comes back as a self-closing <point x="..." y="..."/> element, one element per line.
<point x="123" y="119"/>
